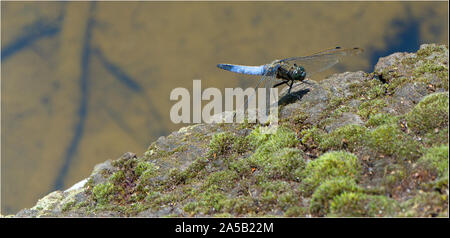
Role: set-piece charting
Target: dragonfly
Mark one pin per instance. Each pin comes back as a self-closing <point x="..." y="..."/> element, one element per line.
<point x="294" y="69"/>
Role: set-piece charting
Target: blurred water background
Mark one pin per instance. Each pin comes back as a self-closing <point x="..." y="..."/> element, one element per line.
<point x="83" y="82"/>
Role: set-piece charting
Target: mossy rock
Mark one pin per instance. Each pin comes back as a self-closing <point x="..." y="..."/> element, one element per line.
<point x="328" y="166"/>
<point x="389" y="140"/>
<point x="103" y="193"/>
<point x="429" y="114"/>
<point x="371" y="107"/>
<point x="342" y="143"/>
<point x="358" y="204"/>
<point x="348" y="137"/>
<point x="220" y="144"/>
<point x="312" y="137"/>
<point x="435" y="160"/>
<point x="320" y="200"/>
<point x="146" y="170"/>
<point x="381" y="119"/>
<point x="429" y="204"/>
<point x="286" y="163"/>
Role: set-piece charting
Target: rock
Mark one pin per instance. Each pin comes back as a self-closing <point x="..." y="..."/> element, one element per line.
<point x="339" y="85"/>
<point x="77" y="185"/>
<point x="391" y="61"/>
<point x="345" y="119"/>
<point x="356" y="135"/>
<point x="98" y="174"/>
<point x="406" y="96"/>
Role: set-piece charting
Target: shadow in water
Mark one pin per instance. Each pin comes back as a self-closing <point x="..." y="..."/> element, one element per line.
<point x="32" y="33"/>
<point x="83" y="104"/>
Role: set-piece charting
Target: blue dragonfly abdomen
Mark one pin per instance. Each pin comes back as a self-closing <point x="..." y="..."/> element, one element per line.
<point x="243" y="69"/>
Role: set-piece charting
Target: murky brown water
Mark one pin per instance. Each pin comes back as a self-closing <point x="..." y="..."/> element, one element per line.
<point x="82" y="82"/>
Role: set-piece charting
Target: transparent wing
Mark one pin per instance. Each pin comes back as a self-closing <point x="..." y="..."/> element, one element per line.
<point x="323" y="60"/>
<point x="268" y="84"/>
<point x="268" y="79"/>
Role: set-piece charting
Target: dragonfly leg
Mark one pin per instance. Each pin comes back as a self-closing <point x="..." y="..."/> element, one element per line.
<point x="278" y="84"/>
<point x="290" y="86"/>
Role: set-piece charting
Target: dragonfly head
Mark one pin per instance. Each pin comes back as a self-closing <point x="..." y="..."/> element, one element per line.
<point x="298" y="73"/>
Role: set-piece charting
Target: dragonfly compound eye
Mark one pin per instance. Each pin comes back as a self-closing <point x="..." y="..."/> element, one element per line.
<point x="298" y="73"/>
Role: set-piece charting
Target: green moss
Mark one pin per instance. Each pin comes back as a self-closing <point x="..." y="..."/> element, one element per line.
<point x="378" y="89"/>
<point x="436" y="137"/>
<point x="196" y="168"/>
<point x="157" y="199"/>
<point x="241" y="166"/>
<point x="271" y="190"/>
<point x="394" y="174"/>
<point x="357" y="204"/>
<point x="79" y="205"/>
<point x="286" y="163"/>
<point x="296" y="211"/>
<point x="430" y="113"/>
<point x="220" y="144"/>
<point x="429" y="204"/>
<point x="241" y="144"/>
<point x="178" y="149"/>
<point x="154" y="151"/>
<point x="211" y="200"/>
<point x="312" y="137"/>
<point x="443" y="83"/>
<point x="137" y="207"/>
<point x="335" y="102"/>
<point x="103" y="193"/>
<point x="340" y="110"/>
<point x="370" y="107"/>
<point x="370" y="90"/>
<point x="124" y="163"/>
<point x="211" y="196"/>
<point x="288" y="199"/>
<point x="140" y="192"/>
<point x="283" y="137"/>
<point x="396" y="82"/>
<point x="436" y="160"/>
<point x="430" y="49"/>
<point x="381" y="119"/>
<point x="300" y="117"/>
<point x="322" y="196"/>
<point x="257" y="137"/>
<point x="67" y="206"/>
<point x="153" y="196"/>
<point x="346" y="137"/>
<point x="389" y="140"/>
<point x="385" y="138"/>
<point x="146" y="170"/>
<point x="429" y="67"/>
<point x="440" y="184"/>
<point x="224" y="180"/>
<point x="274" y="156"/>
<point x="239" y="205"/>
<point x="276" y="194"/>
<point x="225" y="214"/>
<point x="349" y="204"/>
<point x="330" y="165"/>
<point x="117" y="177"/>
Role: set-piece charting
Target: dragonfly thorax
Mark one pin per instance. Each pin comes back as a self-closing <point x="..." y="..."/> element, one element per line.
<point x="291" y="73"/>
